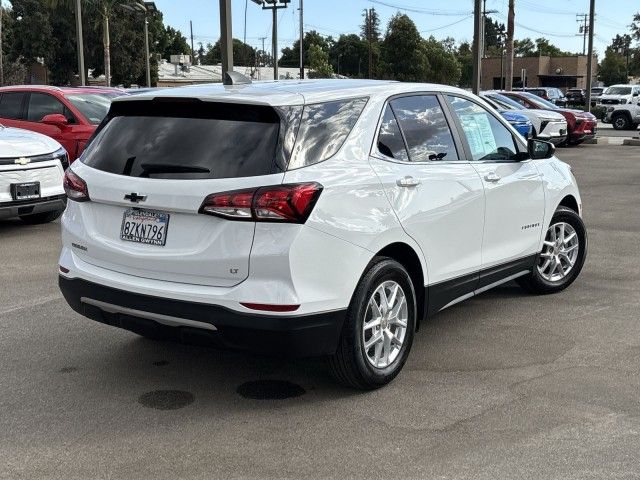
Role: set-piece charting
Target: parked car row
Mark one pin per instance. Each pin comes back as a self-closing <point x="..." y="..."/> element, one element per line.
<point x="68" y="115"/>
<point x="562" y="126"/>
<point x="42" y="130"/>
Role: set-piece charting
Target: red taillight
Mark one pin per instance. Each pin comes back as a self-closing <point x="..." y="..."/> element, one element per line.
<point x="267" y="307"/>
<point x="279" y="203"/>
<point x="234" y="205"/>
<point x="75" y="187"/>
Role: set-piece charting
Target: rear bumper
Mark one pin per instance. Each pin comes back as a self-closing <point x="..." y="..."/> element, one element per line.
<point x="191" y="322"/>
<point x="28" y="207"/>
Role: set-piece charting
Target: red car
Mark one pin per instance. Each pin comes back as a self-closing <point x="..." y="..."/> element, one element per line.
<point x="581" y="125"/>
<point x="68" y="115"/>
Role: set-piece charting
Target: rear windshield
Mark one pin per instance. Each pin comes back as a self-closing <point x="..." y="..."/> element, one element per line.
<point x="187" y="140"/>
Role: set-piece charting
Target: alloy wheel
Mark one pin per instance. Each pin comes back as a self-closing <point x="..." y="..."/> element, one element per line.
<point x="385" y="324"/>
<point x="559" y="253"/>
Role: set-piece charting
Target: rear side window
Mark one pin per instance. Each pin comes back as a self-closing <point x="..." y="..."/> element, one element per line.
<point x="390" y="142"/>
<point x="323" y="129"/>
<point x="11" y="105"/>
<point x="425" y="128"/>
<point x="180" y="139"/>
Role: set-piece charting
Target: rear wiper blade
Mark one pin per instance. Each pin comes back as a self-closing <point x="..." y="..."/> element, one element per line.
<point x="151" y="168"/>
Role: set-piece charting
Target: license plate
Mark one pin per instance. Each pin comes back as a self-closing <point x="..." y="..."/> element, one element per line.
<point x="25" y="191"/>
<point x="144" y="226"/>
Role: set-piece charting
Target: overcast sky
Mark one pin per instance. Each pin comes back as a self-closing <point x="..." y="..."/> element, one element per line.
<point x="554" y="19"/>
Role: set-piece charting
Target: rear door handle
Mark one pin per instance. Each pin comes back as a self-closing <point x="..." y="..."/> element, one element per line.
<point x="492" y="177"/>
<point x="408" y="182"/>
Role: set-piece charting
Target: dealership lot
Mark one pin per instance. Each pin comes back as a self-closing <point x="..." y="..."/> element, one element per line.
<point x="505" y="385"/>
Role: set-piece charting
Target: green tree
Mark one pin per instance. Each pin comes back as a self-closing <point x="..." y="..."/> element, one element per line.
<point x="243" y="54"/>
<point x="613" y="68"/>
<point x="492" y="37"/>
<point x="31" y="31"/>
<point x="291" y="55"/>
<point x="524" y="48"/>
<point x="319" y="63"/>
<point x="545" y="47"/>
<point x="464" y="55"/>
<point x="402" y="52"/>
<point x="370" y="33"/>
<point x="348" y="55"/>
<point x="171" y="42"/>
<point x="443" y="65"/>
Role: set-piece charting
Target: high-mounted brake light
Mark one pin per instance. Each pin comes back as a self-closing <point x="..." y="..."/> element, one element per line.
<point x="75" y="187"/>
<point x="279" y="203"/>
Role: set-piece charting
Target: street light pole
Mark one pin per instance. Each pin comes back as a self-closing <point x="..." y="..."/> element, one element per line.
<point x="146" y="47"/>
<point x="477" y="31"/>
<point x="80" y="44"/>
<point x="226" y="38"/>
<point x="301" y="40"/>
<point x="592" y="14"/>
<point x="1" y="60"/>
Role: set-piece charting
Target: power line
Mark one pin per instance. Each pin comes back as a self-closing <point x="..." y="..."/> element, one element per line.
<point x="442" y="27"/>
<point x="408" y="8"/>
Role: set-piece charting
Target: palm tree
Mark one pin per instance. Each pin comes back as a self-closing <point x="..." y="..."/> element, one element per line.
<point x="105" y="8"/>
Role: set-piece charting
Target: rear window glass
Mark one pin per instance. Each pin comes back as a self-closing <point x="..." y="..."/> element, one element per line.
<point x="187" y="140"/>
<point x="323" y="129"/>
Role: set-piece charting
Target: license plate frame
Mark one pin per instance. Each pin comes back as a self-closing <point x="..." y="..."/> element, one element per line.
<point x="25" y="191"/>
<point x="140" y="228"/>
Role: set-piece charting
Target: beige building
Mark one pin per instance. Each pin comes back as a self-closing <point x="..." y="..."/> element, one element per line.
<point x="542" y="71"/>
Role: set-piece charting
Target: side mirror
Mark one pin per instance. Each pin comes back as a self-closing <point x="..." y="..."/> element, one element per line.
<point x="55" y="119"/>
<point x="540" y="149"/>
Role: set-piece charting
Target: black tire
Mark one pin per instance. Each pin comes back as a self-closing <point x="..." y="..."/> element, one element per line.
<point x="620" y="121"/>
<point x="39" y="218"/>
<point x="349" y="364"/>
<point x="535" y="282"/>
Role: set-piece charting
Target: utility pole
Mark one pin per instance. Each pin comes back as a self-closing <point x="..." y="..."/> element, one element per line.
<point x="193" y="52"/>
<point x="80" y="44"/>
<point x="301" y="39"/>
<point x="592" y="13"/>
<point x="583" y="30"/>
<point x="510" y="29"/>
<point x="369" y="21"/>
<point x="263" y="52"/>
<point x="1" y="59"/>
<point x="146" y="48"/>
<point x="274" y="6"/>
<point x="477" y="41"/>
<point x="226" y="38"/>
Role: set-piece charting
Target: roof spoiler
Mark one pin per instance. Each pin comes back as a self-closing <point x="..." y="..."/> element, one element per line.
<point x="235" y="78"/>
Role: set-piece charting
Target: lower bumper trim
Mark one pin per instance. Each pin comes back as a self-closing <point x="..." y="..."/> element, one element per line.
<point x="200" y="323"/>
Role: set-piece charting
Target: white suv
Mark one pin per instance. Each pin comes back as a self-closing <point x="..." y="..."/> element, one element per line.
<point x="325" y="217"/>
<point x="31" y="171"/>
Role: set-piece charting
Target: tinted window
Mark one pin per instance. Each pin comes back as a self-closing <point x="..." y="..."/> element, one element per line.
<point x="41" y="104"/>
<point x="425" y="128"/>
<point x="618" y="91"/>
<point x="488" y="139"/>
<point x="323" y="129"/>
<point x="11" y="105"/>
<point x="187" y="140"/>
<point x="94" y="106"/>
<point x="390" y="142"/>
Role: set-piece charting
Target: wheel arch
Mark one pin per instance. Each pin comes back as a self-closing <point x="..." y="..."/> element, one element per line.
<point x="569" y="201"/>
<point x="407" y="256"/>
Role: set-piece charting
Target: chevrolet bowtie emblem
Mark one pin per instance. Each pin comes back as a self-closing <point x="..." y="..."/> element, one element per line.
<point x="22" y="161"/>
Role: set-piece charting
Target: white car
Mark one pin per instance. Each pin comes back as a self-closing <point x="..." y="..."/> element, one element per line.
<point x="620" y="95"/>
<point x="31" y="171"/>
<point x="546" y="124"/>
<point x="321" y="217"/>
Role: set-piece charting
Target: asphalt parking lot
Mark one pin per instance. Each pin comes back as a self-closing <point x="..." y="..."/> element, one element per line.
<point x="505" y="385"/>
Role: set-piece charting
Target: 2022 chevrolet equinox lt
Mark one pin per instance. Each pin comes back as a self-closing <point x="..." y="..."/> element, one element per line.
<point x="321" y="217"/>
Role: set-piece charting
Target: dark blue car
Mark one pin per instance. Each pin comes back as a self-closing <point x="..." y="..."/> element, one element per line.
<point x="521" y="123"/>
